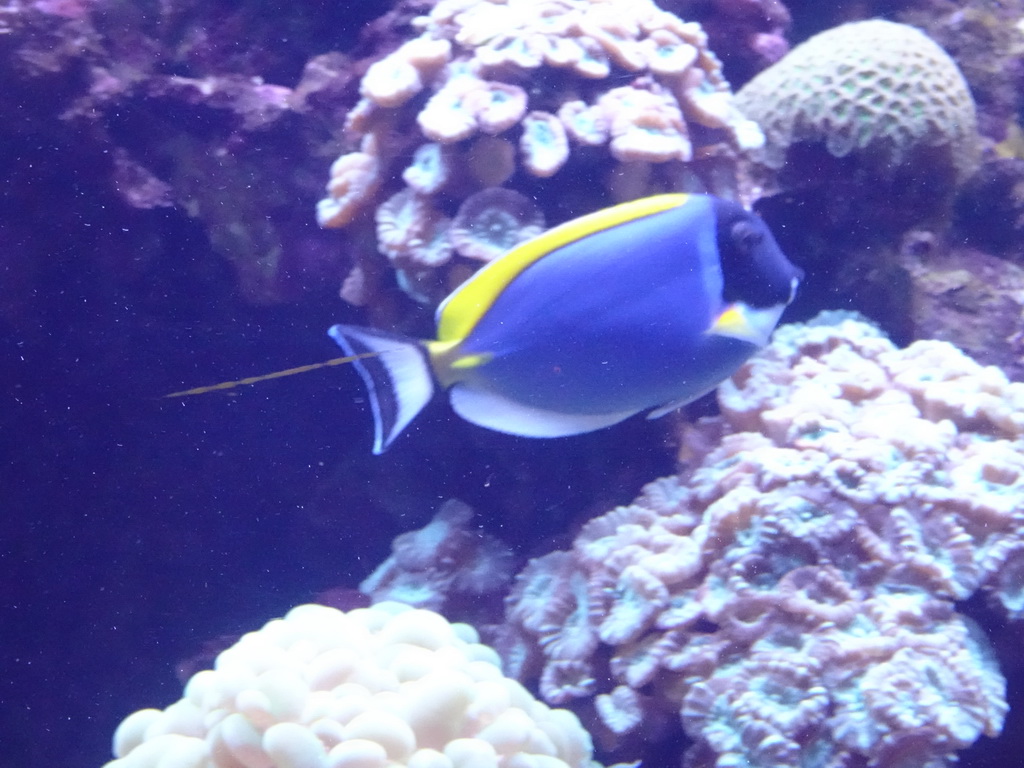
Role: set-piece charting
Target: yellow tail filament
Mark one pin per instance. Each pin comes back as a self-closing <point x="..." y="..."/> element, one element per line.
<point x="267" y="376"/>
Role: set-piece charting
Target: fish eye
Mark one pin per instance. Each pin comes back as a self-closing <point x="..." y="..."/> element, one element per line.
<point x="746" y="235"/>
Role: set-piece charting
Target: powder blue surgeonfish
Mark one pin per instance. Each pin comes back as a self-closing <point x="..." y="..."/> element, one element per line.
<point x="644" y="306"/>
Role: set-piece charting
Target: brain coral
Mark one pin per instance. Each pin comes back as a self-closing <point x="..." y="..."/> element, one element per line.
<point x="505" y="93"/>
<point x="868" y="85"/>
<point x="379" y="687"/>
<point x="792" y="592"/>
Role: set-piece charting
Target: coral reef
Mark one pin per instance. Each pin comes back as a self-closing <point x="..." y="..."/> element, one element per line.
<point x="155" y="140"/>
<point x="373" y="688"/>
<point x="174" y="124"/>
<point x="792" y="591"/>
<point x="873" y="88"/>
<point x="617" y="98"/>
<point x="965" y="296"/>
<point x="847" y="218"/>
<point x="445" y="566"/>
<point x="180" y="125"/>
<point x="747" y="35"/>
<point x="984" y="37"/>
<point x="871" y="133"/>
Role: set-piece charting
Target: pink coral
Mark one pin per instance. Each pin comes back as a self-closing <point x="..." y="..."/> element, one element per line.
<point x="793" y="590"/>
<point x="544" y="144"/>
<point x="531" y="83"/>
<point x="411" y="231"/>
<point x="430" y="170"/>
<point x="645" y="125"/>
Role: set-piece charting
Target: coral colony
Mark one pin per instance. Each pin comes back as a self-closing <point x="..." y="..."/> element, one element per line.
<point x="794" y="585"/>
<point x="381" y="686"/>
<point x="790" y="598"/>
<point x="867" y="85"/>
<point x="494" y="95"/>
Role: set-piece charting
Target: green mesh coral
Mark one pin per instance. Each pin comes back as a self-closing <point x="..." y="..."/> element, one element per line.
<point x="866" y="86"/>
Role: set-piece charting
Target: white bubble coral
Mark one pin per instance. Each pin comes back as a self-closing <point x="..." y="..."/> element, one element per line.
<point x="378" y="687"/>
<point x="494" y="220"/>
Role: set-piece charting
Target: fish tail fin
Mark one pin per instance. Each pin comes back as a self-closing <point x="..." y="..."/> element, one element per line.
<point x="397" y="374"/>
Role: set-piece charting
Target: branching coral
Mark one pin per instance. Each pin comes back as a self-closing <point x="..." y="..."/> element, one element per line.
<point x="792" y="592"/>
<point x="376" y="687"/>
<point x="544" y="79"/>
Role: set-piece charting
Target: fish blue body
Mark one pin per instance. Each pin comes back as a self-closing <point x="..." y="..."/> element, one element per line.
<point x="645" y="305"/>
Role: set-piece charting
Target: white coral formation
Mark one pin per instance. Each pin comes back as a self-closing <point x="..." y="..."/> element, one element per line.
<point x="379" y="687"/>
<point x="793" y="592"/>
<point x="868" y="85"/>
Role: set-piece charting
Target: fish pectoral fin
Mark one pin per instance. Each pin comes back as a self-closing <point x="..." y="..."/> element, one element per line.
<point x="494" y="411"/>
<point x="675" y="405"/>
<point x="398" y="377"/>
<point x="666" y="409"/>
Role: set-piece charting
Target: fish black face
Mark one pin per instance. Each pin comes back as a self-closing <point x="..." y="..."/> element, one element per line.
<point x="755" y="270"/>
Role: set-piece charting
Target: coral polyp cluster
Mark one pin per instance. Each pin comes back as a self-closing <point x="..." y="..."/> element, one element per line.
<point x="794" y="589"/>
<point x="377" y="687"/>
<point x="494" y="94"/>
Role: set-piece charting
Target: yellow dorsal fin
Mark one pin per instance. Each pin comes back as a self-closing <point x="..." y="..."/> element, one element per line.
<point x="461" y="311"/>
<point x="267" y="376"/>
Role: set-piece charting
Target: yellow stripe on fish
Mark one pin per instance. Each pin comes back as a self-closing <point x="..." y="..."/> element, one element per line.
<point x="467" y="304"/>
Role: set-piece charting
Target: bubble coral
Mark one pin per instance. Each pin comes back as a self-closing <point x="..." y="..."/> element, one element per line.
<point x="542" y="79"/>
<point x="867" y="86"/>
<point x="792" y="591"/>
<point x="375" y="687"/>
